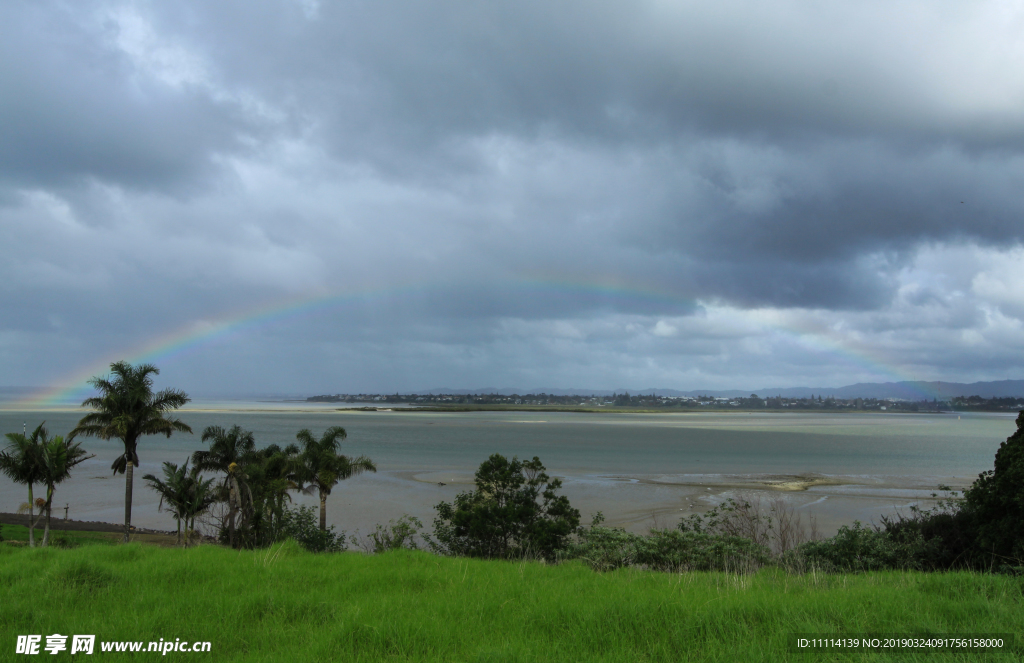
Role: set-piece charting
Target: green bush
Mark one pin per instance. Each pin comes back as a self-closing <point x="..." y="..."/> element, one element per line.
<point x="996" y="504"/>
<point x="607" y="548"/>
<point x="302" y="524"/>
<point x="861" y="548"/>
<point x="395" y="535"/>
<point x="513" y="513"/>
<point x="945" y="539"/>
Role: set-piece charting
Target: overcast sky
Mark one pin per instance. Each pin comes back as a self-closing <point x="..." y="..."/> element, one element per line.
<point x="574" y="194"/>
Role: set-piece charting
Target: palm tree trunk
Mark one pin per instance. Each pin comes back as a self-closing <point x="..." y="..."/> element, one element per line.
<point x="31" y="519"/>
<point x="128" y="473"/>
<point x="323" y="511"/>
<point x="233" y="499"/>
<point x="46" y="529"/>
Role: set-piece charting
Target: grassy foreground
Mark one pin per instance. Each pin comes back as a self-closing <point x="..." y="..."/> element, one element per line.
<point x="285" y="604"/>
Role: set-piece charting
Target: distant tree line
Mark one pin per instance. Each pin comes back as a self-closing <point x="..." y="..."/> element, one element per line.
<point x="979" y="404"/>
<point x="819" y="402"/>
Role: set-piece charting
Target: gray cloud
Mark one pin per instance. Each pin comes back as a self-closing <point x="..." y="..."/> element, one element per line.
<point x="638" y="185"/>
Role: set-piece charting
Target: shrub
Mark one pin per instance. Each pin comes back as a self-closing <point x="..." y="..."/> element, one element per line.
<point x="861" y="548"/>
<point x="514" y="512"/>
<point x="395" y="535"/>
<point x="607" y="548"/>
<point x="773" y="525"/>
<point x="946" y="534"/>
<point x="302" y="524"/>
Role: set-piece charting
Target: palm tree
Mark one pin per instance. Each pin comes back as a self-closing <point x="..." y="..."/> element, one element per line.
<point x="127" y="409"/>
<point x="186" y="494"/>
<point x="20" y="462"/>
<point x="271" y="473"/>
<point x="57" y="458"/>
<point x="229" y="451"/>
<point x="322" y="467"/>
<point x="171" y="490"/>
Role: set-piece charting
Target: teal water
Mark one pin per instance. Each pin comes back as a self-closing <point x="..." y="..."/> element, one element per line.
<point x="584" y="448"/>
<point x="849" y="444"/>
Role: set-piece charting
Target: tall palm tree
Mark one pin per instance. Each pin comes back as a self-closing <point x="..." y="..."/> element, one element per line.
<point x="20" y="462"/>
<point x="57" y="458"/>
<point x="229" y="451"/>
<point x="322" y="467"/>
<point x="127" y="409"/>
<point x="186" y="493"/>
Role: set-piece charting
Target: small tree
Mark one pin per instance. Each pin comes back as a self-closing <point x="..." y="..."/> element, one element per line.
<point x="514" y="512"/>
<point x="57" y="458"/>
<point x="20" y="462"/>
<point x="322" y="467"/>
<point x="186" y="493"/>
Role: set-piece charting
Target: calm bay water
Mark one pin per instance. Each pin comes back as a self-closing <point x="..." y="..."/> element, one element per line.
<point x="626" y="465"/>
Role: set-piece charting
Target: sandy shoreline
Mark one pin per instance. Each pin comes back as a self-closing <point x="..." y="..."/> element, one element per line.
<point x="639" y="502"/>
<point x="634" y="502"/>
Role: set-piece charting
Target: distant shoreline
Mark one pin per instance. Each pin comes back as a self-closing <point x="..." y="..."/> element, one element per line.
<point x="618" y="410"/>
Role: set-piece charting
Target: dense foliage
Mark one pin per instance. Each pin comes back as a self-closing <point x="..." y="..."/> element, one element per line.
<point x="514" y="512"/>
<point x="607" y="548"/>
<point x="257" y="484"/>
<point x="996" y="502"/>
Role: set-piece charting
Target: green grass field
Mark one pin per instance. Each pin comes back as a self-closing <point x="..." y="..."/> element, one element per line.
<point x="285" y="604"/>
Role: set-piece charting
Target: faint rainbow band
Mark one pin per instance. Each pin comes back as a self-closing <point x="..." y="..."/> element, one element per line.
<point x="195" y="334"/>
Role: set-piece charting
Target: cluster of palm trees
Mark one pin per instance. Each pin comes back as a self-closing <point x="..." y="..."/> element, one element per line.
<point x="37" y="458"/>
<point x="256" y="482"/>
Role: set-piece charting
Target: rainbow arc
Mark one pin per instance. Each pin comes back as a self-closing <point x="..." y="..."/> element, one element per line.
<point x="196" y="334"/>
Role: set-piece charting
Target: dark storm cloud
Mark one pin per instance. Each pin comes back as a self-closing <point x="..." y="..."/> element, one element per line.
<point x="875" y="143"/>
<point x="162" y="164"/>
<point x="622" y="70"/>
<point x="76" y="107"/>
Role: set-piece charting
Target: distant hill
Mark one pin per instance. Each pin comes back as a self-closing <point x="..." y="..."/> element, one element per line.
<point x="915" y="391"/>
